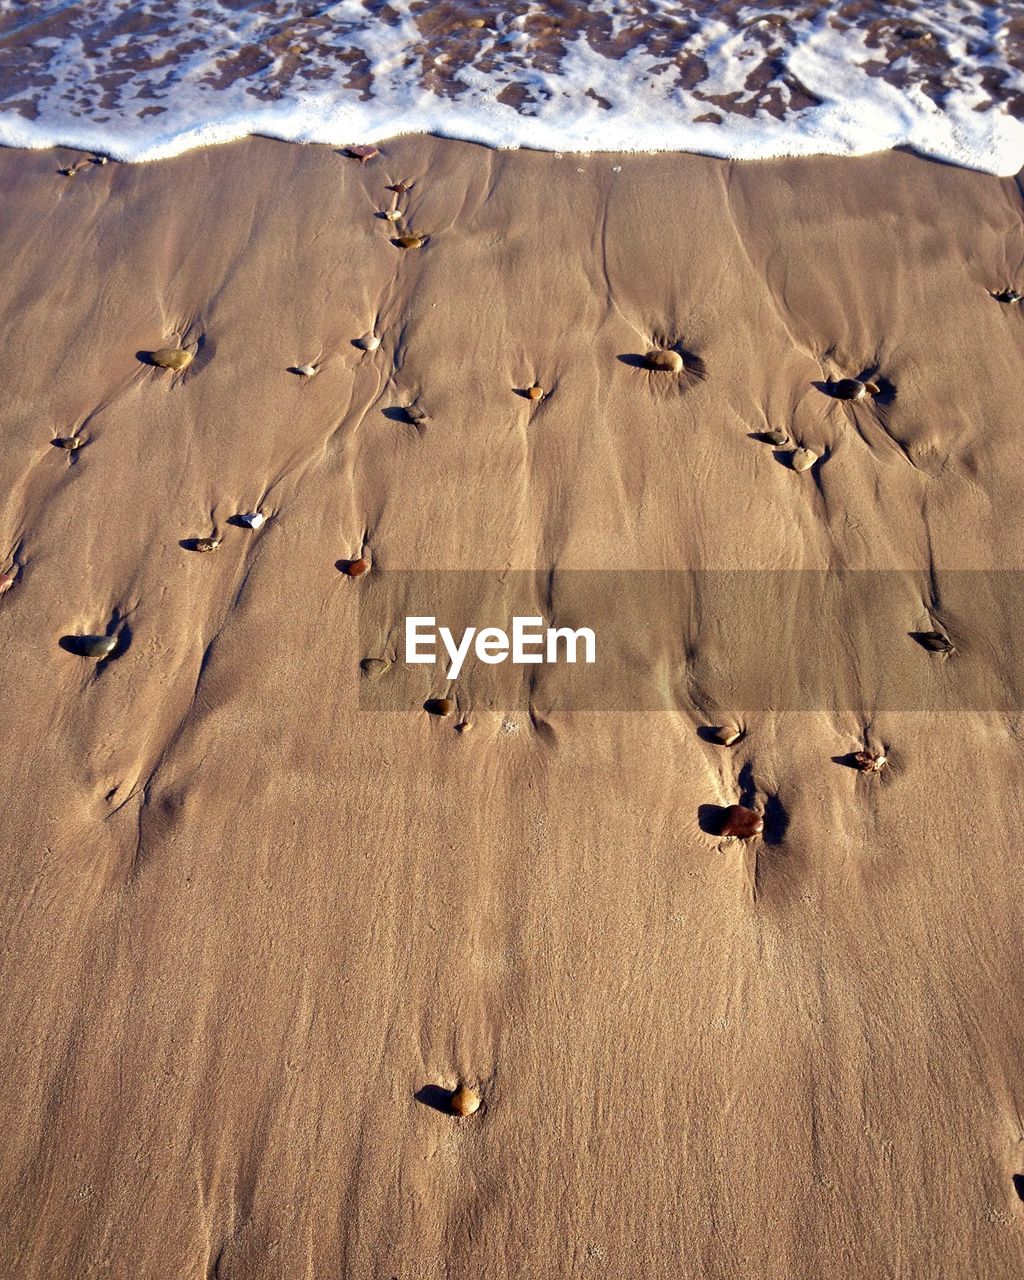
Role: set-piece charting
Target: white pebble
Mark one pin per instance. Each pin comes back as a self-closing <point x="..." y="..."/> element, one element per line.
<point x="254" y="519"/>
<point x="369" y="343"/>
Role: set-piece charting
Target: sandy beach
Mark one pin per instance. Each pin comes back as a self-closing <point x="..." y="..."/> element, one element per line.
<point x="258" y="926"/>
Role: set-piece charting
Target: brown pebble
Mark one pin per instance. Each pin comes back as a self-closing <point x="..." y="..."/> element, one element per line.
<point x="936" y="642"/>
<point x="7" y="580"/>
<point x="171" y="358"/>
<point x="665" y="361"/>
<point x="356" y="568"/>
<point x="777" y="438"/>
<point x="400" y="187"/>
<point x="852" y="389"/>
<point x="535" y="392"/>
<point x="727" y="735"/>
<point x="802" y="459"/>
<point x="68" y="442"/>
<point x="465" y="1101"/>
<point x="869" y="761"/>
<point x="741" y="823"/>
<point x="411" y="242"/>
<point x="440" y="706"/>
<point x="206" y="544"/>
<point x="363" y="152"/>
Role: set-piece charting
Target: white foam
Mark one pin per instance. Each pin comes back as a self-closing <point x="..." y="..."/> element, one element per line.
<point x="71" y="87"/>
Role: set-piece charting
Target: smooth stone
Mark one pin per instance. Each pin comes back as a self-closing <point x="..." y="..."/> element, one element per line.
<point x="68" y="442"/>
<point x="253" y="520"/>
<point x="869" y="761"/>
<point x="410" y="242"/>
<point x="936" y="642"/>
<point x="727" y="735"/>
<point x="356" y="568"/>
<point x="400" y="188"/>
<point x="440" y="706"/>
<point x="665" y="361"/>
<point x="171" y="358"/>
<point x="306" y="370"/>
<point x="535" y="392"/>
<point x="370" y="343"/>
<point x="7" y="580"/>
<point x="363" y="152"/>
<point x="465" y="1101"/>
<point x="741" y="823"/>
<point x="852" y="389"/>
<point x="777" y="438"/>
<point x="802" y="459"/>
<point x="94" y="646"/>
<point x="393" y="215"/>
<point x="206" y="544"/>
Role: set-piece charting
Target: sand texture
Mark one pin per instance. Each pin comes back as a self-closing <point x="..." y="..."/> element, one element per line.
<point x="256" y="927"/>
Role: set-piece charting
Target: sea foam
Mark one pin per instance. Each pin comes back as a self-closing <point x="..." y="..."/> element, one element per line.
<point x="145" y="79"/>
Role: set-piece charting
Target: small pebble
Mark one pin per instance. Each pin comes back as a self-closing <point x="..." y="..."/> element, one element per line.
<point x="171" y="358"/>
<point x="464" y="726"/>
<point x="363" y="153"/>
<point x="1007" y="295"/>
<point x="307" y="370"/>
<point x="410" y="242"/>
<point x="535" y="392"/>
<point x="440" y="706"/>
<point x="936" y="642"/>
<point x="727" y="735"/>
<point x="665" y="361"/>
<point x="465" y="1101"/>
<point x="68" y="442"/>
<point x="7" y="580"/>
<point x="852" y="389"/>
<point x="100" y="159"/>
<point x="741" y="823"/>
<point x="357" y="568"/>
<point x="253" y="520"/>
<point x="777" y="438"/>
<point x="802" y="459"/>
<point x="400" y="187"/>
<point x="393" y="215"/>
<point x="869" y="761"/>
<point x="94" y="646"/>
<point x="369" y="343"/>
<point x="206" y="544"/>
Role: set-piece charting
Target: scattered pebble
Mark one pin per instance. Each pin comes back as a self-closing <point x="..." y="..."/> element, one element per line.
<point x="72" y="169"/>
<point x="171" y="358"/>
<point x="852" y="389"/>
<point x="869" y="761"/>
<point x="741" y="823"/>
<point x="253" y="519"/>
<point x="363" y="153"/>
<point x="802" y="459"/>
<point x="368" y="343"/>
<point x="93" y="646"/>
<point x="8" y="579"/>
<point x="68" y="442"/>
<point x="411" y="242"/>
<point x="727" y="735"/>
<point x="357" y="568"/>
<point x="101" y="159"/>
<point x="400" y="188"/>
<point x="465" y="1101"/>
<point x="393" y="215"/>
<point x="665" y="361"/>
<point x="306" y="370"/>
<point x="206" y="544"/>
<point x="464" y="726"/>
<point x="1007" y="295"/>
<point x="535" y="392"/>
<point x="777" y="438"/>
<point x="440" y="706"/>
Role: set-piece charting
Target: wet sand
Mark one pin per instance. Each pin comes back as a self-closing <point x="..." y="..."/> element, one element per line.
<point x="256" y="929"/>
